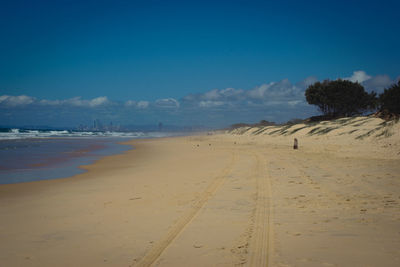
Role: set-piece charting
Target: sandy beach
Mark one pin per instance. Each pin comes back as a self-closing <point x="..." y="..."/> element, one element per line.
<point x="236" y="198"/>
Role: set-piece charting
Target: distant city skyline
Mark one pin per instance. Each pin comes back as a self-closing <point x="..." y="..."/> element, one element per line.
<point x="186" y="62"/>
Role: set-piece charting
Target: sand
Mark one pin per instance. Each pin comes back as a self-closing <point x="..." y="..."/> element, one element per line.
<point x="228" y="199"/>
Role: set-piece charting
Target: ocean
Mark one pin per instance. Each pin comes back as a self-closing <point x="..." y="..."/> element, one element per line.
<point x="32" y="155"/>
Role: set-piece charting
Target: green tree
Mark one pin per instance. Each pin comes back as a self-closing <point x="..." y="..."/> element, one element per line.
<point x="389" y="100"/>
<point x="340" y="98"/>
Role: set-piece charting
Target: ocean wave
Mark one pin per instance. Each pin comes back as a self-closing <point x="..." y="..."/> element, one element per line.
<point x="25" y="134"/>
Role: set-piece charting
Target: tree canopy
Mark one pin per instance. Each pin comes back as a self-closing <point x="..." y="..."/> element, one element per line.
<point x="340" y="98"/>
<point x="390" y="99"/>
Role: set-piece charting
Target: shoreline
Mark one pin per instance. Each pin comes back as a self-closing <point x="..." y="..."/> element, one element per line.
<point x="52" y="158"/>
<point x="209" y="200"/>
<point x="83" y="167"/>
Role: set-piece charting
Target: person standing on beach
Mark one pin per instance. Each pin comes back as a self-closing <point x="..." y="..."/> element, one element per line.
<point x="295" y="146"/>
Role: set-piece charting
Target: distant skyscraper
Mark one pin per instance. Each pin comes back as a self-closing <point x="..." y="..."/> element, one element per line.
<point x="97" y="125"/>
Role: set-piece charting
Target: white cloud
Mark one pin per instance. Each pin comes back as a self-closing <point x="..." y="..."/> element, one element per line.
<point x="378" y="83"/>
<point x="143" y="104"/>
<point x="98" y="101"/>
<point x="282" y="90"/>
<point x="215" y="94"/>
<point x="231" y="93"/>
<point x="13" y="101"/>
<point x="371" y="83"/>
<point x="268" y="94"/>
<point x="167" y="103"/>
<point x="75" y="101"/>
<point x="130" y="103"/>
<point x="78" y="102"/>
<point x="50" y="102"/>
<point x="21" y="100"/>
<point x="259" y="91"/>
<point x="358" y="76"/>
<point x="208" y="104"/>
<point x="139" y="105"/>
<point x="212" y="95"/>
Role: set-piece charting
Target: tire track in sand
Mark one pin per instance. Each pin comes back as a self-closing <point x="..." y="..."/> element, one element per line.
<point x="260" y="244"/>
<point x="154" y="253"/>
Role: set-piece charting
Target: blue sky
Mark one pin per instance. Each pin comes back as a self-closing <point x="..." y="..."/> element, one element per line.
<point x="170" y="56"/>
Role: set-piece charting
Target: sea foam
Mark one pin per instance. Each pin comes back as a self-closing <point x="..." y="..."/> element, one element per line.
<point x="9" y="134"/>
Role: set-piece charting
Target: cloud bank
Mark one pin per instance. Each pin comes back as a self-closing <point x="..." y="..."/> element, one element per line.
<point x="13" y="101"/>
<point x="371" y="83"/>
<point x="274" y="101"/>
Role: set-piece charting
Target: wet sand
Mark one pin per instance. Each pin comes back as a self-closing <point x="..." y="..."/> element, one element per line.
<point x="27" y="160"/>
<point x="219" y="200"/>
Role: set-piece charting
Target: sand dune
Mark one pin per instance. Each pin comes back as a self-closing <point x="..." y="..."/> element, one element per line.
<point x="369" y="136"/>
<point x="230" y="199"/>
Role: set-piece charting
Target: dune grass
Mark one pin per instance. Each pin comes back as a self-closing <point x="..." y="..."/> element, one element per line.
<point x="359" y="124"/>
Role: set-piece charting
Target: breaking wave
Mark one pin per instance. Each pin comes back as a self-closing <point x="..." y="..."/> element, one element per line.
<point x="8" y="134"/>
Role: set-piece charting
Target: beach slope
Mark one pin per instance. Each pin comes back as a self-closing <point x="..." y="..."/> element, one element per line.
<point x="235" y="198"/>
